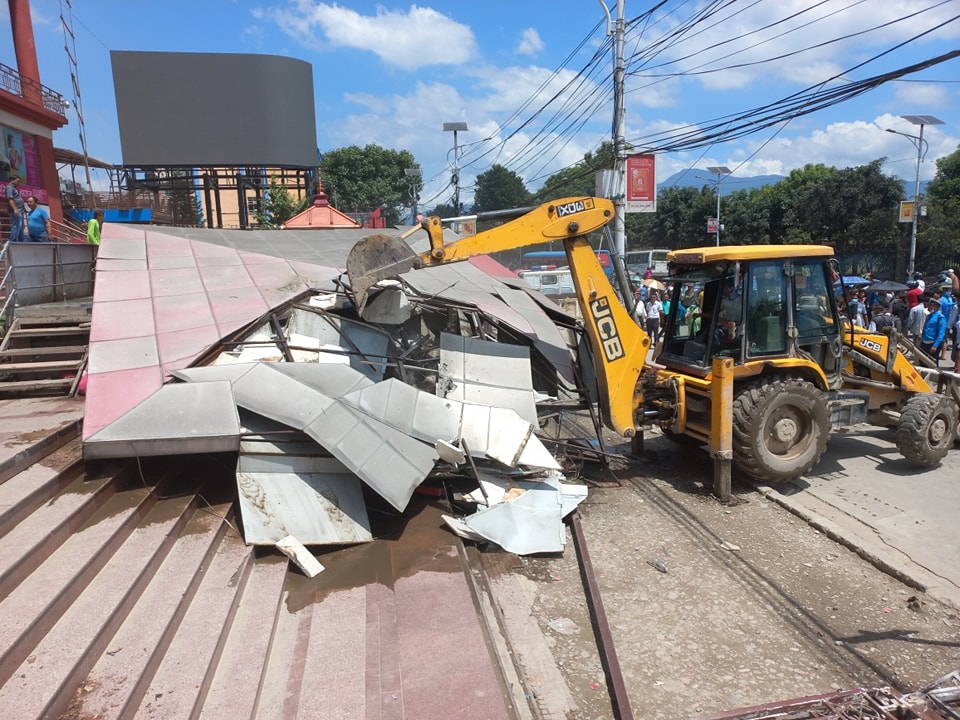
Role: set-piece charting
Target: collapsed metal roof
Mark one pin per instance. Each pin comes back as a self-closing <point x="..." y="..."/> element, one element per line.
<point x="192" y="331"/>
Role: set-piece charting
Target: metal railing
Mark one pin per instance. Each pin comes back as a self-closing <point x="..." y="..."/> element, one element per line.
<point x="27" y="88"/>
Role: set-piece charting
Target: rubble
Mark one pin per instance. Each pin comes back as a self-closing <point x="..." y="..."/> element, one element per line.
<point x="443" y="374"/>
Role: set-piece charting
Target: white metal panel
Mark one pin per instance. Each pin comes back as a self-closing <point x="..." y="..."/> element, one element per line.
<point x="316" y="508"/>
<point x="480" y="371"/>
<point x="176" y="419"/>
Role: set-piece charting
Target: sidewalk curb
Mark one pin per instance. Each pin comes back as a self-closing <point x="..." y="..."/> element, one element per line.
<point x="864" y="541"/>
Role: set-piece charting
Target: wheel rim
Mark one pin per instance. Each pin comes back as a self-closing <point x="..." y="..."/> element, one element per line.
<point x="938" y="430"/>
<point x="787" y="428"/>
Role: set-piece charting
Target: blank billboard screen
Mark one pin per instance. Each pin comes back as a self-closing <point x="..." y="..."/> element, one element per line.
<point x="212" y="109"/>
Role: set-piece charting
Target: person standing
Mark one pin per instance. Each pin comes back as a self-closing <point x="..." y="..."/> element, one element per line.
<point x="38" y="221"/>
<point x="94" y="226"/>
<point x="16" y="209"/>
<point x="934" y="330"/>
<point x="915" y="320"/>
<point x="654" y="311"/>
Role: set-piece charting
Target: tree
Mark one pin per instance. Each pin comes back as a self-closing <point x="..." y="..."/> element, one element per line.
<point x="946" y="183"/>
<point x="363" y="179"/>
<point x="499" y="189"/>
<point x="278" y="206"/>
<point x="578" y="179"/>
<point x="184" y="205"/>
<point x="445" y="210"/>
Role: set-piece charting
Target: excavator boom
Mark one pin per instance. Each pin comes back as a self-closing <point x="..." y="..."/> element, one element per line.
<point x="618" y="344"/>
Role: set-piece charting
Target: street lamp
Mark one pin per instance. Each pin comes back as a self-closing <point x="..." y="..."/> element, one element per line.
<point x="920" y="144"/>
<point x="413" y="174"/>
<point x="719" y="171"/>
<point x="455" y="127"/>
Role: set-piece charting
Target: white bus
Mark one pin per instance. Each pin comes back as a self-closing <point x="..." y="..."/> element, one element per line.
<point x="637" y="261"/>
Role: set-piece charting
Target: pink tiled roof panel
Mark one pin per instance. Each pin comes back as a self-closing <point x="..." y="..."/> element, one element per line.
<point x="113" y="393"/>
<point x="176" y="281"/>
<point x="123" y="285"/>
<point x="230" y="277"/>
<point x="121" y="319"/>
<point x="184" y="345"/>
<point x="182" y="312"/>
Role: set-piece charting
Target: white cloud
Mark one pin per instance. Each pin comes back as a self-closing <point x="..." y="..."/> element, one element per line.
<point x="530" y="43"/>
<point x="922" y="95"/>
<point x="407" y="40"/>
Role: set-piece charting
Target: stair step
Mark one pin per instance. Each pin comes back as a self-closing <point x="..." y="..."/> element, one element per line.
<point x="43" y="366"/>
<point x="328" y="640"/>
<point x="37" y="483"/>
<point x="22" y="386"/>
<point x="43" y="351"/>
<point x="36" y="604"/>
<point x="36" y="449"/>
<point x="182" y="679"/>
<point x="115" y="686"/>
<point x="30" y="542"/>
<point x="236" y="682"/>
<point x="44" y="684"/>
<point x="48" y="331"/>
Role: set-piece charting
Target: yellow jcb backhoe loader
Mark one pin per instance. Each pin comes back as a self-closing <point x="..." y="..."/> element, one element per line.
<point x="758" y="363"/>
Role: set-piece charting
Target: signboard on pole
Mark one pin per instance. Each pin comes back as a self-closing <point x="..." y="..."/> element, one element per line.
<point x="641" y="183"/>
<point x="711" y="226"/>
<point x="906" y="211"/>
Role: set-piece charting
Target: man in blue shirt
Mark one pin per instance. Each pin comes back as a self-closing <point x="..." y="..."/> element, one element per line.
<point x="38" y="221"/>
<point x="934" y="330"/>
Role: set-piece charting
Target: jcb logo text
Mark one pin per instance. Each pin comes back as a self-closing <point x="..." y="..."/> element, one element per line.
<point x="606" y="329"/>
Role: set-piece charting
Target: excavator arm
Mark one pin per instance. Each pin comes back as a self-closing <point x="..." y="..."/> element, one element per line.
<point x="619" y="345"/>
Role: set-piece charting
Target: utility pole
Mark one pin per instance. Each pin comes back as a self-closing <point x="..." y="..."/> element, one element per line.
<point x="619" y="190"/>
<point x="456" y="127"/>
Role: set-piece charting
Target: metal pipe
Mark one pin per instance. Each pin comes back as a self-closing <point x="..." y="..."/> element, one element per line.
<point x="608" y="654"/>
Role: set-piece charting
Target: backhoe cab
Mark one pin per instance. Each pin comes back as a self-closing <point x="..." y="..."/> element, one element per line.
<point x="800" y="368"/>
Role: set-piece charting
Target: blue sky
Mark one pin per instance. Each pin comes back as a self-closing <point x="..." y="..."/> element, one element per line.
<point x="391" y="73"/>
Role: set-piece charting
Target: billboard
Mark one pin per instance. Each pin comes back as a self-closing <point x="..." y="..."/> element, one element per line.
<point x="18" y="155"/>
<point x="214" y="109"/>
<point x="641" y="183"/>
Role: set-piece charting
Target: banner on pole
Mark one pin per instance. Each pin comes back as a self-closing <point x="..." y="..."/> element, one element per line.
<point x="711" y="226"/>
<point x="641" y="183"/>
<point x="906" y="211"/>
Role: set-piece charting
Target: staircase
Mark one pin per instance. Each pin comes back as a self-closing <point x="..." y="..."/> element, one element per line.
<point x="115" y="587"/>
<point x="43" y="356"/>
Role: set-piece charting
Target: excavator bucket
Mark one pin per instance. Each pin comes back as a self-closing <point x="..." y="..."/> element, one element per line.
<point x="376" y="258"/>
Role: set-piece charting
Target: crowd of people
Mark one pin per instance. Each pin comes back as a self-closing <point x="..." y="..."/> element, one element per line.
<point x="928" y="318"/>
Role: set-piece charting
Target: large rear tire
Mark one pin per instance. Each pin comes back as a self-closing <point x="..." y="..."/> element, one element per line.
<point x="780" y="428"/>
<point x="927" y="428"/>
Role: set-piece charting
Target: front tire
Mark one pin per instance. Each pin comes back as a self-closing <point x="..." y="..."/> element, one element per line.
<point x="780" y="428"/>
<point x="927" y="428"/>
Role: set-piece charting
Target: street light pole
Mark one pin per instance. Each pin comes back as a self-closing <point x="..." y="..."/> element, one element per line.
<point x="719" y="171"/>
<point x="919" y="142"/>
<point x="413" y="174"/>
<point x="455" y="127"/>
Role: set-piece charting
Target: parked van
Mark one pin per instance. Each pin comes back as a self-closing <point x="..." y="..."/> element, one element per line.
<point x="550" y="282"/>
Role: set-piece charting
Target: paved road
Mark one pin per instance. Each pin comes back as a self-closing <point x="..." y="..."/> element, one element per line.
<point x="903" y="518"/>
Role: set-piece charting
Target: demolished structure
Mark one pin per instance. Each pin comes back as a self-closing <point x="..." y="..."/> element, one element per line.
<point x="203" y="346"/>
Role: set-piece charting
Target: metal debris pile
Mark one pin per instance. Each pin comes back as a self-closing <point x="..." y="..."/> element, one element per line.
<point x="419" y="388"/>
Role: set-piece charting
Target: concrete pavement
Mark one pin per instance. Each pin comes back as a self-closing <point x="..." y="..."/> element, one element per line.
<point x="901" y="518"/>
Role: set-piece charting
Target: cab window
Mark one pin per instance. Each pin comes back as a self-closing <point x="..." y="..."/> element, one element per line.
<point x="766" y="309"/>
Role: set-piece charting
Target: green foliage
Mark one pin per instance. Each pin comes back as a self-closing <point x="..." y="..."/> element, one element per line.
<point x="499" y="189"/>
<point x="278" y="206"/>
<point x="184" y="205"/>
<point x="444" y="210"/>
<point x="362" y="179"/>
<point x="577" y="179"/>
<point x="945" y="185"/>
